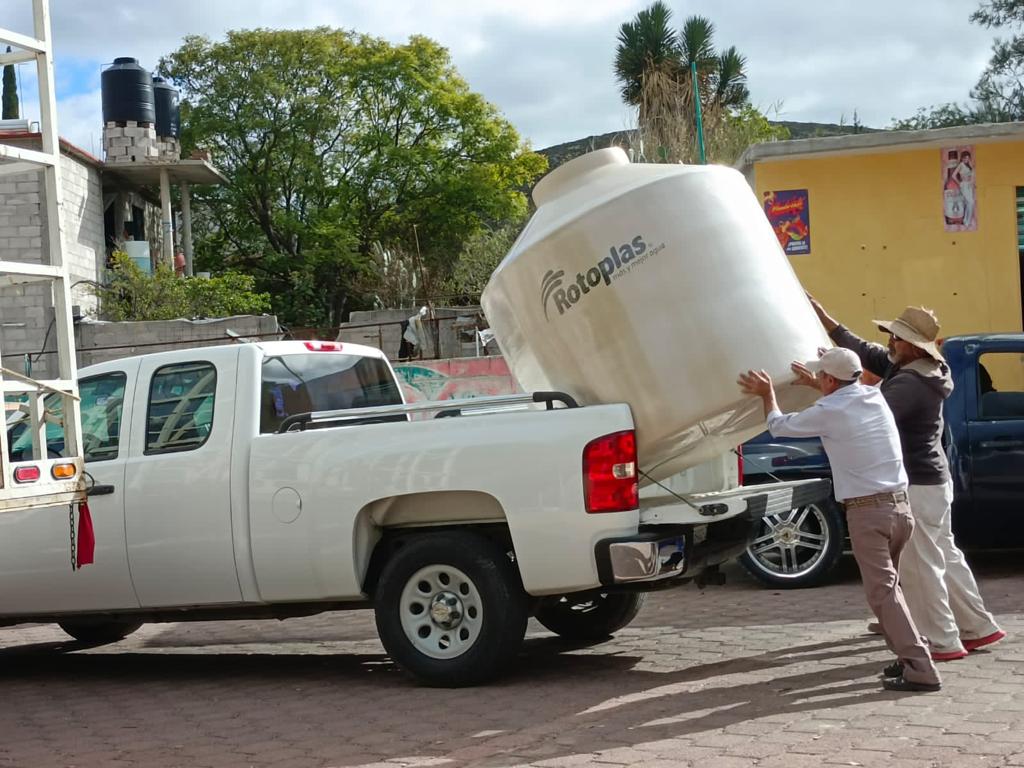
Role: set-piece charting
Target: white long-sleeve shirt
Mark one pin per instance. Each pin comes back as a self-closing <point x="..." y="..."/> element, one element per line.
<point x="859" y="435"/>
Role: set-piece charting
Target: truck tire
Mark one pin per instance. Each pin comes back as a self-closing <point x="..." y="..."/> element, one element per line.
<point x="798" y="548"/>
<point x="588" y="622"/>
<point x="450" y="608"/>
<point x="99" y="633"/>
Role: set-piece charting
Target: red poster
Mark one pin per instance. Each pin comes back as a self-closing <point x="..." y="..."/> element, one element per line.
<point x="789" y="212"/>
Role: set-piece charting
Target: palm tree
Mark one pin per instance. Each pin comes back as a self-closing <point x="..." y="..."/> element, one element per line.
<point x="730" y="80"/>
<point x="647" y="44"/>
<point x="697" y="44"/>
<point x="653" y="65"/>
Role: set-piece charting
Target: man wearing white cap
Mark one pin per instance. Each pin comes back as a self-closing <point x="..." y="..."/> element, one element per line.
<point x="859" y="435"/>
<point x="940" y="588"/>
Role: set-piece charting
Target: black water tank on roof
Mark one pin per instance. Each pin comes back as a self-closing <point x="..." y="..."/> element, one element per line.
<point x="168" y="116"/>
<point x="127" y="93"/>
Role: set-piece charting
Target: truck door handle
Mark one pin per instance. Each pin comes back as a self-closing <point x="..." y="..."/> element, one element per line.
<point x="1001" y="444"/>
<point x="100" y="490"/>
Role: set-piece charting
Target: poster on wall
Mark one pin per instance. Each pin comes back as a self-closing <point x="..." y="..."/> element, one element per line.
<point x="790" y="215"/>
<point x="959" y="201"/>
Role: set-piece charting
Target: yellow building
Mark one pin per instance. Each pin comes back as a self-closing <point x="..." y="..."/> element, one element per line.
<point x="874" y="222"/>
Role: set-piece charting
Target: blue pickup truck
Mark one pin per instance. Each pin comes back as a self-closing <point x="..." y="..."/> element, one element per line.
<point x="984" y="440"/>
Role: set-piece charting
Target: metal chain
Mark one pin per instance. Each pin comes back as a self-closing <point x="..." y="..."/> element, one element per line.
<point x="71" y="525"/>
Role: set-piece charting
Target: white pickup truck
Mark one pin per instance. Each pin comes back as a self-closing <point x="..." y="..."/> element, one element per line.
<point x="272" y="480"/>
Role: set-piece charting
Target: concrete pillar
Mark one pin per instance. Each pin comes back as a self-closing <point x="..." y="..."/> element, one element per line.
<point x="186" y="225"/>
<point x="119" y="206"/>
<point x="167" y="253"/>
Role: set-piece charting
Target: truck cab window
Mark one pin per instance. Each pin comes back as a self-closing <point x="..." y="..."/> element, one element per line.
<point x="102" y="405"/>
<point x="181" y="407"/>
<point x="1001" y="386"/>
<point x="323" y="382"/>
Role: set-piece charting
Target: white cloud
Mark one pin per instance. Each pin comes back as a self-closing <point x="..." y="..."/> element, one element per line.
<point x="547" y="64"/>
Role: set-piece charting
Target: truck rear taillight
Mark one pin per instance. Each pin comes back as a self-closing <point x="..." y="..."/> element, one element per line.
<point x="609" y="473"/>
<point x="26" y="474"/>
<point x="739" y="464"/>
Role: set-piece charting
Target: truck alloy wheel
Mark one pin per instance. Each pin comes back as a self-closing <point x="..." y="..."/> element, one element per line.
<point x="797" y="548"/>
<point x="450" y="608"/>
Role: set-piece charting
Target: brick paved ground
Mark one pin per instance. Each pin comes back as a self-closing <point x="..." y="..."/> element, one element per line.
<point x="732" y="676"/>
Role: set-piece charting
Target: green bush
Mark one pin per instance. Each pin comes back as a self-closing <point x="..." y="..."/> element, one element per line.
<point x="131" y="294"/>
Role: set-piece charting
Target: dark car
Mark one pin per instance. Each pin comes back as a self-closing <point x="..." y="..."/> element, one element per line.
<point x="984" y="441"/>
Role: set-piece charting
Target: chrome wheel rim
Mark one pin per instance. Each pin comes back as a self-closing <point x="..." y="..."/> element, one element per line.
<point x="790" y="545"/>
<point x="441" y="611"/>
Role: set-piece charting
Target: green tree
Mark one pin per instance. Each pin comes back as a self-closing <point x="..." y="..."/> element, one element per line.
<point x="654" y="65"/>
<point x="481" y="255"/>
<point x="998" y="95"/>
<point x="131" y="294"/>
<point x="10" y="110"/>
<point x="1000" y="90"/>
<point x="739" y="129"/>
<point x="334" y="142"/>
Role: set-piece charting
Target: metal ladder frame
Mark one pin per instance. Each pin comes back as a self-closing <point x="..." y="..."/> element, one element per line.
<point x="53" y="268"/>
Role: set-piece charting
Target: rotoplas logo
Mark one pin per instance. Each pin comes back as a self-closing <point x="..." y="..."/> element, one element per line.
<point x="564" y="297"/>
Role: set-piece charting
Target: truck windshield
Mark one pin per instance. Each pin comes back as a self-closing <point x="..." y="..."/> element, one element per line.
<point x="323" y="382"/>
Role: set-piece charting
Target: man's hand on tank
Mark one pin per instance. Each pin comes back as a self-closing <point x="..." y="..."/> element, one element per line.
<point x="804" y="377"/>
<point x="755" y="383"/>
<point x="826" y="320"/>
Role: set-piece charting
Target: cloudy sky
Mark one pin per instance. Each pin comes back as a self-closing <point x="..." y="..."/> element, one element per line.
<point x="547" y="64"/>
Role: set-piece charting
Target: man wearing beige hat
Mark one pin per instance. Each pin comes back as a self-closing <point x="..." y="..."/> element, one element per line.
<point x="939" y="586"/>
<point x="859" y="435"/>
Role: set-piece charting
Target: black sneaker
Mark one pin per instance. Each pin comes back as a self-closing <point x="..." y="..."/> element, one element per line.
<point x="902" y="684"/>
<point x="893" y="670"/>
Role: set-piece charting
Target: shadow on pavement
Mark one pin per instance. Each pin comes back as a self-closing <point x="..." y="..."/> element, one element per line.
<point x="350" y="709"/>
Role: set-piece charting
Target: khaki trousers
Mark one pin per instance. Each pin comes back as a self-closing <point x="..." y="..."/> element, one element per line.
<point x="879" y="532"/>
<point x="940" y="589"/>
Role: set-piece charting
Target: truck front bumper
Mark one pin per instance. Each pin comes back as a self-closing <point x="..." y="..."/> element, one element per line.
<point x="663" y="552"/>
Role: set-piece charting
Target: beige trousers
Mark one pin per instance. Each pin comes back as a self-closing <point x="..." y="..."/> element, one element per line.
<point x="939" y="586"/>
<point x="878" y="534"/>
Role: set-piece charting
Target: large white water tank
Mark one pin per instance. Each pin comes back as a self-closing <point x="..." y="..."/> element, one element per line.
<point x="654" y="285"/>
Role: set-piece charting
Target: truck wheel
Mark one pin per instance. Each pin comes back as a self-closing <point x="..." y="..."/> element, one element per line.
<point x="589" y="621"/>
<point x="99" y="633"/>
<point x="798" y="548"/>
<point x="450" y="609"/>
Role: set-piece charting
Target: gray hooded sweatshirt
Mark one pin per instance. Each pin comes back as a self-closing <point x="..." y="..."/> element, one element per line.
<point x="915" y="393"/>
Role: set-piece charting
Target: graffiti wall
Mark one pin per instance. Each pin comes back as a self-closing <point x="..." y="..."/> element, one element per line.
<point x="456" y="378"/>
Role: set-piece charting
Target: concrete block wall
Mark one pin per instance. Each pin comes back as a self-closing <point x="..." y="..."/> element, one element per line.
<point x="130" y="143"/>
<point x="168" y="148"/>
<point x="83" y="229"/>
<point x="98" y="342"/>
<point x="26" y="311"/>
<point x="382" y="329"/>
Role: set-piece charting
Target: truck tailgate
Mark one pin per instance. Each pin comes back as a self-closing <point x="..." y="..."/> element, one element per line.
<point x="750" y="501"/>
